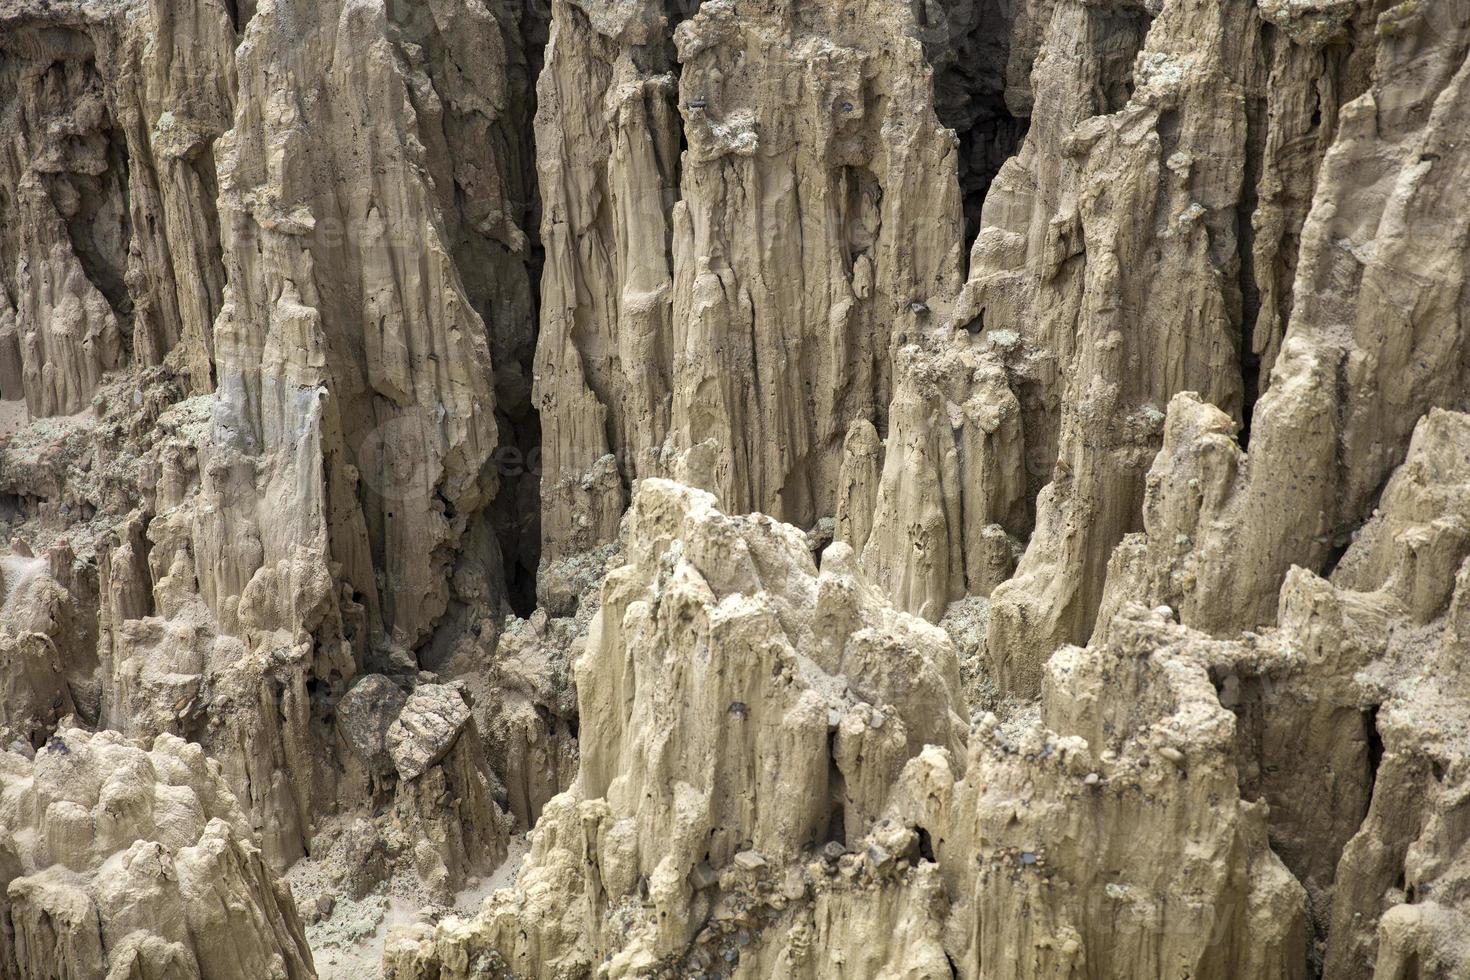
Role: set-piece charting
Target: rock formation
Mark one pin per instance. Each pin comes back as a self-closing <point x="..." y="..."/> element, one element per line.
<point x="736" y="313"/>
<point x="737" y="709"/>
<point x="1271" y="805"/>
<point x="118" y="861"/>
<point x="874" y="488"/>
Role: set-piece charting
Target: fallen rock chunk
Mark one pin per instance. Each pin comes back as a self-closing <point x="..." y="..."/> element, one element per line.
<point x="431" y="720"/>
<point x="704" y="876"/>
<point x="750" y="860"/>
<point x="364" y="717"/>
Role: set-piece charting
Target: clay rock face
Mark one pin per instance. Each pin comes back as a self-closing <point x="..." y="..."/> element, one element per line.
<point x="45" y="662"/>
<point x="736" y="312"/>
<point x="296" y="466"/>
<point x="111" y="239"/>
<point x="245" y="696"/>
<point x="60" y="325"/>
<point x="952" y="491"/>
<point x="244" y="555"/>
<point x="1184" y="805"/>
<point x="1112" y="838"/>
<point x="1402" y="588"/>
<point x="737" y="707"/>
<point x="335" y="354"/>
<point x="529" y="709"/>
<point x="1066" y="259"/>
<point x="1346" y="694"/>
<point x="120" y="861"/>
<point x="418" y="757"/>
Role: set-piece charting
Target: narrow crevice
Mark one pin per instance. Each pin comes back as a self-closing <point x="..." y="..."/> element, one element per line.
<point x="681" y="10"/>
<point x="496" y="249"/>
<point x="969" y="49"/>
<point x="1374" y="743"/>
<point x="1257" y="129"/>
<point x="100" y="229"/>
<point x="1245" y="238"/>
<point x="837" y="796"/>
<point x="1335" y="552"/>
<point x="926" y="845"/>
<point x="93" y="202"/>
<point x="518" y="505"/>
<point x="242" y="12"/>
<point x="206" y="173"/>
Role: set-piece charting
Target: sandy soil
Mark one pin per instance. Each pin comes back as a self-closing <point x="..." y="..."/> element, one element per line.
<point x="349" y="944"/>
<point x="13" y="416"/>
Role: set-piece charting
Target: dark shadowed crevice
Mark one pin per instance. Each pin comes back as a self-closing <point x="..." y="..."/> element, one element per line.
<point x="968" y="46"/>
<point x="1257" y="129"/>
<point x="477" y="144"/>
<point x="98" y="223"/>
<point x="1335" y="554"/>
<point x="87" y="183"/>
<point x="926" y="845"/>
<point x="1374" y="743"/>
<point x="205" y="171"/>
<point x="984" y="148"/>
<point x="681" y="10"/>
<point x="837" y="796"/>
<point x="241" y="12"/>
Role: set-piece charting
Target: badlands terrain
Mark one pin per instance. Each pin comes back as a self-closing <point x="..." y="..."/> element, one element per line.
<point x="799" y="489"/>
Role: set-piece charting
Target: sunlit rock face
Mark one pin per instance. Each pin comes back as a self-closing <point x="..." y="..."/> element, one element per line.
<point x="124" y="861"/>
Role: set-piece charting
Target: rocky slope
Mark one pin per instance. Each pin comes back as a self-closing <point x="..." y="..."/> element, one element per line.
<point x="385" y="385"/>
<point x="125" y="862"/>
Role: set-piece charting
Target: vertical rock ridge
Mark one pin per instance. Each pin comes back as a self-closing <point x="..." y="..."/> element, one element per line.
<point x="384" y="388"/>
<point x="706" y="315"/>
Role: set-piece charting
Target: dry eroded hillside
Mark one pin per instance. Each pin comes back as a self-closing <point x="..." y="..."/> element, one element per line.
<point x="386" y="385"/>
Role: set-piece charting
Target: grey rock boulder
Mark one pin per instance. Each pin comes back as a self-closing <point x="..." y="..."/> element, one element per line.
<point x="364" y="717"/>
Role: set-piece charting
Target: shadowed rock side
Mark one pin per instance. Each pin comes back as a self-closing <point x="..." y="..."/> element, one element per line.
<point x="111" y="253"/>
<point x="382" y="385"/>
<point x="722" y="316"/>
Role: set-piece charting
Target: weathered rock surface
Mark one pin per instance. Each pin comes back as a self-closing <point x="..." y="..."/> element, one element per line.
<point x="1121" y="790"/>
<point x="111" y="251"/>
<point x="1246" y="273"/>
<point x="349" y="350"/>
<point x="116" y="861"/>
<point x="737" y="709"/>
<point x="247" y="559"/>
<point x="735" y="314"/>
<point x="426" y="728"/>
<point x="1164" y="816"/>
<point x="46" y="654"/>
<point x="952" y="494"/>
